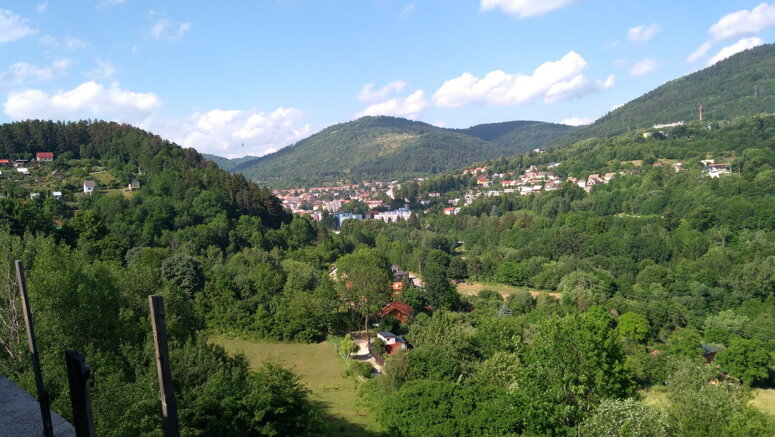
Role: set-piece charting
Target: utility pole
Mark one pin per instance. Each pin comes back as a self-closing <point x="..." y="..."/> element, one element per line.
<point x="78" y="374"/>
<point x="168" y="405"/>
<point x="45" y="410"/>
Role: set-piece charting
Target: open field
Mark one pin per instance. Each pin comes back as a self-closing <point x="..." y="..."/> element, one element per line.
<point x="763" y="399"/>
<point x="503" y="289"/>
<point x="320" y="370"/>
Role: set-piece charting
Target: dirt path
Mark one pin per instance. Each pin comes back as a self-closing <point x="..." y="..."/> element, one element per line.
<point x="362" y="354"/>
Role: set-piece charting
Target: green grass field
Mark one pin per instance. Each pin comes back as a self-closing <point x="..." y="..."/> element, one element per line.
<point x="763" y="399"/>
<point x="320" y="370"/>
<point x="503" y="289"/>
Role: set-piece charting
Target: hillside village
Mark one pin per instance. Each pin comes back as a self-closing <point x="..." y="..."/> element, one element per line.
<point x="318" y="202"/>
<point x="64" y="179"/>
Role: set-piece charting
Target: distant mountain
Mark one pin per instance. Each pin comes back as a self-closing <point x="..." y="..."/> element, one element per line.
<point x="743" y="84"/>
<point x="390" y="147"/>
<point x="520" y="135"/>
<point x="226" y="163"/>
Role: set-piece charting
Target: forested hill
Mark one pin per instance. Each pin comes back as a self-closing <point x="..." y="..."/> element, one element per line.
<point x="175" y="180"/>
<point x="226" y="163"/>
<point x="389" y="147"/>
<point x="522" y="135"/>
<point x="743" y="84"/>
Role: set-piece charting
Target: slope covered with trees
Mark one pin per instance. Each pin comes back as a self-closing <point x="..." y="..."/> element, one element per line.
<point x="392" y="148"/>
<point x="743" y="84"/>
<point x="653" y="270"/>
<point x="226" y="163"/>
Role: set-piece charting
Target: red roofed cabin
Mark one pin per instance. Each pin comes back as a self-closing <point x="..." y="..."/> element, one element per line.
<point x="397" y="310"/>
<point x="44" y="156"/>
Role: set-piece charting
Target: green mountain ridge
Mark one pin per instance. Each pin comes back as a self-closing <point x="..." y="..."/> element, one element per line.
<point x="227" y="163"/>
<point x="741" y="85"/>
<point x="390" y="148"/>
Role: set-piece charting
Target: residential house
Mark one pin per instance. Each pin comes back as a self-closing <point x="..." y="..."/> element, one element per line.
<point x="134" y="185"/>
<point x="717" y="170"/>
<point x="397" y="310"/>
<point x="393" y="216"/>
<point x="392" y="341"/>
<point x="342" y="216"/>
<point x="44" y="156"/>
<point x="56" y="174"/>
<point x="415" y="281"/>
<point x="398" y="274"/>
<point x="23" y="170"/>
<point x="88" y="186"/>
<point x="56" y="194"/>
<point x="5" y="162"/>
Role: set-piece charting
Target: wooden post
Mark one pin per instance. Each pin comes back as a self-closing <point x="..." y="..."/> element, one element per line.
<point x="45" y="410"/>
<point x="168" y="406"/>
<point x="78" y="374"/>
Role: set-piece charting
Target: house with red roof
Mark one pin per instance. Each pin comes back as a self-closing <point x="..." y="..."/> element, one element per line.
<point x="397" y="310"/>
<point x="44" y="156"/>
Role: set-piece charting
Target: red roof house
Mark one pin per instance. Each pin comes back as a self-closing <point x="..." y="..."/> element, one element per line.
<point x="398" y="310"/>
<point x="44" y="156"/>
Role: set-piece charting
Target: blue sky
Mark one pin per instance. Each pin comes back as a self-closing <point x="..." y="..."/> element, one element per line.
<point x="235" y="78"/>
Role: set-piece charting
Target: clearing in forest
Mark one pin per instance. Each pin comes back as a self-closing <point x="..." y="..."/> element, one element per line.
<point x="320" y="369"/>
<point x="472" y="288"/>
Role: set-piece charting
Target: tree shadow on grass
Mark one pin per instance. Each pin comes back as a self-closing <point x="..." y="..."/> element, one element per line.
<point x="339" y="426"/>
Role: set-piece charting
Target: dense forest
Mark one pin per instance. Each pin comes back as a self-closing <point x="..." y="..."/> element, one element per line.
<point x="638" y="284"/>
<point x="739" y="86"/>
<point x="387" y="148"/>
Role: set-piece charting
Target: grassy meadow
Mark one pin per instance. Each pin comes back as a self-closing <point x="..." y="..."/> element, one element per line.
<point x="320" y="369"/>
<point x="505" y="290"/>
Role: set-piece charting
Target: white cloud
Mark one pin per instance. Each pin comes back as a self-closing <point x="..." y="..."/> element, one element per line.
<point x="700" y="52"/>
<point x="41" y="7"/>
<point x="88" y="100"/>
<point x="22" y="72"/>
<point x="229" y="133"/>
<point x="743" y="44"/>
<point x="409" y="107"/>
<point x="72" y="43"/>
<point x="103" y="70"/>
<point x="69" y="43"/>
<point x="551" y="81"/>
<point x="642" y="34"/>
<point x="578" y="121"/>
<point x="233" y="133"/>
<point x="524" y="8"/>
<point x="408" y="10"/>
<point x="13" y="27"/>
<point x="743" y="22"/>
<point x="644" y="67"/>
<point x="109" y="3"/>
<point x="168" y="30"/>
<point x="368" y="94"/>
